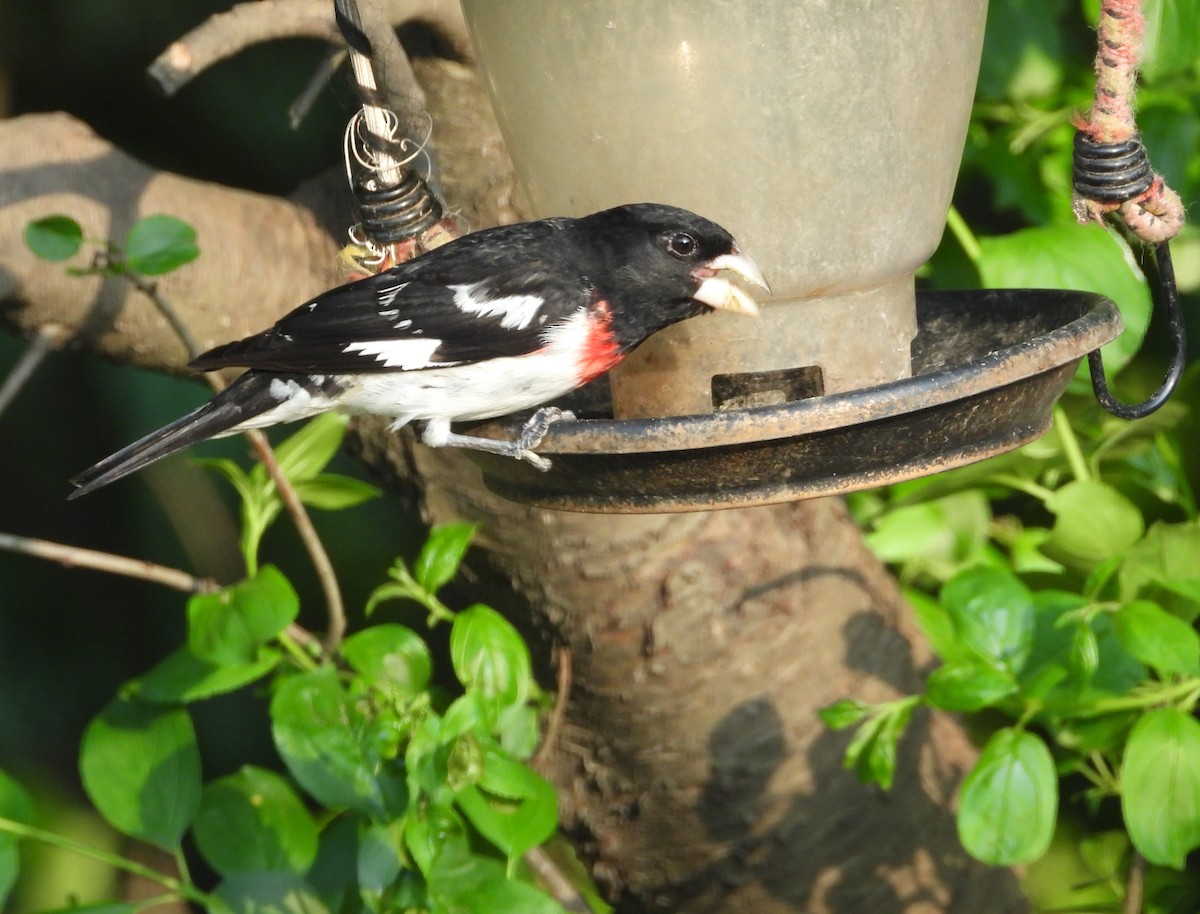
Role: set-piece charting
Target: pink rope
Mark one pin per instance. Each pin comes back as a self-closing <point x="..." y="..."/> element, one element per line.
<point x="1156" y="215"/>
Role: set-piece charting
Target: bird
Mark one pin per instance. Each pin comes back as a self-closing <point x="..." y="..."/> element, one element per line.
<point x="498" y="321"/>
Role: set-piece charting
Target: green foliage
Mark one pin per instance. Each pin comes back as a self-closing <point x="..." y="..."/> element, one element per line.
<point x="1059" y="584"/>
<point x="14" y="807"/>
<point x="155" y="245"/>
<point x="159" y="244"/>
<point x="397" y="795"/>
<point x="302" y="458"/>
<point x="1083" y="650"/>
<point x="141" y="768"/>
<point x="1009" y="800"/>
<point x="54" y="238"/>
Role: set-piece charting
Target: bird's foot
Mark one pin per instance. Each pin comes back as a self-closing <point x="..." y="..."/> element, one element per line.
<point x="534" y="431"/>
<point x="530" y="436"/>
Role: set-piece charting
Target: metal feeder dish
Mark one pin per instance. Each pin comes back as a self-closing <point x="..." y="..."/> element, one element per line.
<point x="988" y="367"/>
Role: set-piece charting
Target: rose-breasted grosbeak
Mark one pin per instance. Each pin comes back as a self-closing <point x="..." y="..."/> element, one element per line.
<point x="498" y="321"/>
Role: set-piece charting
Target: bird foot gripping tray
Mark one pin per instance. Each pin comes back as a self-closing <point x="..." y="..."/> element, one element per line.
<point x="987" y="369"/>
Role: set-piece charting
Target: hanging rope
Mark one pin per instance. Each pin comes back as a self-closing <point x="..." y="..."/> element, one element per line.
<point x="1113" y="177"/>
<point x="398" y="214"/>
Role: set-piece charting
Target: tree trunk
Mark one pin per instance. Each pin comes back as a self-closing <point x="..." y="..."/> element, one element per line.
<point x="692" y="766"/>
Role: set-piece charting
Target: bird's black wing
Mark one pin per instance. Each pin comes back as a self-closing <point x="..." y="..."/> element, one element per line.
<point x="487" y="295"/>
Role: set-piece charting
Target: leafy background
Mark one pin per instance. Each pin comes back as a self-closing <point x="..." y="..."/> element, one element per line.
<point x="1015" y="229"/>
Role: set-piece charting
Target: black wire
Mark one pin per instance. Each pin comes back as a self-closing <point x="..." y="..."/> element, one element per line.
<point x="388" y="214"/>
<point x="1174" y="308"/>
<point x="1115" y="173"/>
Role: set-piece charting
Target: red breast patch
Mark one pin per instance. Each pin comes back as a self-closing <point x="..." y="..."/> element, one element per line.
<point x="600" y="351"/>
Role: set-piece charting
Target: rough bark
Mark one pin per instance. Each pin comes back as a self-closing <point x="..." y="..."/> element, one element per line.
<point x="691" y="762"/>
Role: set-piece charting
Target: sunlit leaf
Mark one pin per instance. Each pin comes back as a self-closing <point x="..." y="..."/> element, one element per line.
<point x="442" y="554"/>
<point x="1093" y="522"/>
<point x="392" y="658"/>
<point x="1009" y="801"/>
<point x="228" y="627"/>
<point x="1160" y="786"/>
<point x="1157" y="638"/>
<point x="159" y="244"/>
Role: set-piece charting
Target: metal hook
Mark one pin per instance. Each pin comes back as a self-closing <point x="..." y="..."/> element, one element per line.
<point x="1169" y="293"/>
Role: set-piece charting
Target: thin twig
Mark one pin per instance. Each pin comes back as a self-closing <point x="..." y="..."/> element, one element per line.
<point x="166" y="309"/>
<point x="76" y="557"/>
<point x="558" y="711"/>
<point x="557" y="883"/>
<point x="298" y="110"/>
<point x="1135" y="885"/>
<point x="335" y="607"/>
<point x="45" y="342"/>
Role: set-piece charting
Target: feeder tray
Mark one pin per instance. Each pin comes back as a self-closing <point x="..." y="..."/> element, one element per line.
<point x="988" y="367"/>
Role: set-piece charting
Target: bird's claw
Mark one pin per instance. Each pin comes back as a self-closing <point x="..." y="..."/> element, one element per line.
<point x="535" y="430"/>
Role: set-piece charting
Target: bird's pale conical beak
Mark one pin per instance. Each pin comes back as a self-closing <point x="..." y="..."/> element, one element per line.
<point x="718" y="292"/>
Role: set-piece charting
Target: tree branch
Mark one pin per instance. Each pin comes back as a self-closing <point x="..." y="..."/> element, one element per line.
<point x="76" y="557"/>
<point x="248" y="24"/>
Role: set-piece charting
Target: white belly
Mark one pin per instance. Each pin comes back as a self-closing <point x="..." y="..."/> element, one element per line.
<point x="479" y="391"/>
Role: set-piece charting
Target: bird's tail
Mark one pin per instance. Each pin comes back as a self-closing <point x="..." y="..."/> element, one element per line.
<point x="243" y="400"/>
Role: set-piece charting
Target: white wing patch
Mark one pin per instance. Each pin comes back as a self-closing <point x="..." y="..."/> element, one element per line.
<point x="388" y="294"/>
<point x="402" y="354"/>
<point x="516" y="312"/>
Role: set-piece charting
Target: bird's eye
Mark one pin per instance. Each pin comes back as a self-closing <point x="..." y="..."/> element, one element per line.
<point x="682" y="245"/>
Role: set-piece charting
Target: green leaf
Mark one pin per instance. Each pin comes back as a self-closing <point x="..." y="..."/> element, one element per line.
<point x="935" y="623"/>
<point x="308" y="451"/>
<point x="54" y="238"/>
<point x="1166" y="553"/>
<point x="229" y="627"/>
<point x="1022" y="51"/>
<point x="490" y="658"/>
<point x="378" y="867"/>
<point x="1009" y="801"/>
<point x="872" y="751"/>
<point x="462" y="881"/>
<point x="1160" y="786"/>
<point x="511" y="805"/>
<point x="993" y="614"/>
<point x="1093" y="523"/>
<point x="429" y="831"/>
<point x="332" y="874"/>
<point x="1171" y="43"/>
<point x="332" y="492"/>
<point x="441" y="555"/>
<point x="141" y="769"/>
<point x="183" y="677"/>
<point x="268" y="893"/>
<point x="251" y="821"/>
<point x="844" y="713"/>
<point x="968" y="685"/>
<point x="391" y="658"/>
<point x="159" y="244"/>
<point x="14" y="805"/>
<point x="1157" y="638"/>
<point x="937" y="536"/>
<point x="1084" y="655"/>
<point x="330" y="748"/>
<point x="1087" y="258"/>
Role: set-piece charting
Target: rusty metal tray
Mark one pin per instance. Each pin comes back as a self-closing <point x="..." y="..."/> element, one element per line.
<point x="988" y="367"/>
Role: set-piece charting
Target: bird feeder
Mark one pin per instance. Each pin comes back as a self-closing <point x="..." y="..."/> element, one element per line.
<point x="826" y="137"/>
